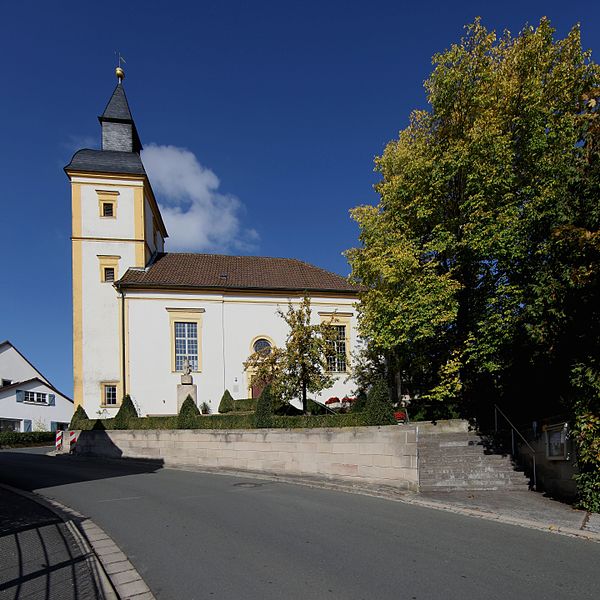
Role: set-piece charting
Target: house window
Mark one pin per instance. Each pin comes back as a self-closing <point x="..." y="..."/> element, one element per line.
<point x="10" y="425"/>
<point x="107" y="203"/>
<point x="6" y="382"/>
<point x="109" y="394"/>
<point x="108" y="268"/>
<point x="186" y="345"/>
<point x="36" y="397"/>
<point x="336" y="359"/>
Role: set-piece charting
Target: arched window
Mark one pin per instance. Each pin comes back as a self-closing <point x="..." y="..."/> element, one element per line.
<point x="262" y="346"/>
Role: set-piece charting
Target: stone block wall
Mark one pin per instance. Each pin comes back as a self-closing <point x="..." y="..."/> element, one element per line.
<point x="374" y="455"/>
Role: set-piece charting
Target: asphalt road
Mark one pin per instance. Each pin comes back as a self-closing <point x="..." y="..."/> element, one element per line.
<point x="196" y="536"/>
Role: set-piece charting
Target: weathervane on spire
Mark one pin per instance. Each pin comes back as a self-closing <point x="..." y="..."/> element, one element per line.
<point x="119" y="71"/>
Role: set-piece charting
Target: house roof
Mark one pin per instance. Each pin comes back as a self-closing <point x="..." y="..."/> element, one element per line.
<point x="106" y="161"/>
<point x="9" y="343"/>
<point x="218" y="271"/>
<point x="18" y="384"/>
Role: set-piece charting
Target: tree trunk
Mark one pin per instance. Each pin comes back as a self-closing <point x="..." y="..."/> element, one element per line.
<point x="304" y="401"/>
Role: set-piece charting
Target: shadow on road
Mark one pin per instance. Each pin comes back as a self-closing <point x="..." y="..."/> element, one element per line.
<point x="39" y="556"/>
<point x="31" y="468"/>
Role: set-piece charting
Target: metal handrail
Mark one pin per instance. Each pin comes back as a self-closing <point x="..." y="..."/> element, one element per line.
<point x="514" y="430"/>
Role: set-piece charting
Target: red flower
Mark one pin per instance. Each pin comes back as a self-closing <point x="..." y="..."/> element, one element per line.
<point x="348" y="400"/>
<point x="400" y="415"/>
<point x="332" y="400"/>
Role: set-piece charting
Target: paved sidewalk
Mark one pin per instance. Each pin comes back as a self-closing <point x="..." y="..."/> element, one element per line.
<point x="40" y="556"/>
<point x="525" y="508"/>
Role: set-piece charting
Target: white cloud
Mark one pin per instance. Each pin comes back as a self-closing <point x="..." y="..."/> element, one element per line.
<point x="198" y="217"/>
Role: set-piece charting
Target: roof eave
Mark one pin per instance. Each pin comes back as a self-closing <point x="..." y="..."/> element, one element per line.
<point x="123" y="285"/>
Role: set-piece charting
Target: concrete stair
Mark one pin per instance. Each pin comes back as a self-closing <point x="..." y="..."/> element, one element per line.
<point x="465" y="461"/>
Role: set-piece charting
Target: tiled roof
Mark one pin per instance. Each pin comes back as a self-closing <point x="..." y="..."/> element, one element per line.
<point x="202" y="271"/>
<point x="106" y="161"/>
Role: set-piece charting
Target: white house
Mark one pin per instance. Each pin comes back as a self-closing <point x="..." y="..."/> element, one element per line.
<point x="28" y="401"/>
<point x="139" y="313"/>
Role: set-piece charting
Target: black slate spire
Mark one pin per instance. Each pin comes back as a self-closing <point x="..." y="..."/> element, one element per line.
<point x="118" y="127"/>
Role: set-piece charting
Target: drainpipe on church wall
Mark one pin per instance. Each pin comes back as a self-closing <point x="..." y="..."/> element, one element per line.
<point x="123" y="361"/>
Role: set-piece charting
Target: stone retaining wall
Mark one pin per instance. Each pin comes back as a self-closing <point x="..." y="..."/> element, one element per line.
<point x="379" y="455"/>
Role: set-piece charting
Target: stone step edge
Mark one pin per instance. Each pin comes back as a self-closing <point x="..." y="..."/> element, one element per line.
<point x="115" y="576"/>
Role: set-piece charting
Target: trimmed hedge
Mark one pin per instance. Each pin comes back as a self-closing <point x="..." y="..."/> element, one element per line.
<point x="379" y="410"/>
<point x="264" y="408"/>
<point x="126" y="411"/>
<point x="187" y="413"/>
<point x="79" y="417"/>
<point x="227" y="403"/>
<point x="12" y="439"/>
<point x="245" y="405"/>
<point x="235" y="421"/>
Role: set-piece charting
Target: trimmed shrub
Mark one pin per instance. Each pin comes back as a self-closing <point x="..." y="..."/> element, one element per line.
<point x="227" y="403"/>
<point x="205" y="408"/>
<point x="360" y="404"/>
<point x="379" y="409"/>
<point x="79" y="417"/>
<point x="126" y="412"/>
<point x="328" y="420"/>
<point x="245" y="405"/>
<point x="12" y="439"/>
<point x="187" y="414"/>
<point x="263" y="416"/>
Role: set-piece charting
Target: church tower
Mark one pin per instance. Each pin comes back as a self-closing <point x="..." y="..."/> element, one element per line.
<point x="116" y="225"/>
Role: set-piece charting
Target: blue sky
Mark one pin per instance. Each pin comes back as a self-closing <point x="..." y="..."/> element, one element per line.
<point x="277" y="108"/>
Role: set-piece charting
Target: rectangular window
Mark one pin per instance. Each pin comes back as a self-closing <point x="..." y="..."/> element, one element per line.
<point x="110" y="394"/>
<point x="36" y="397"/>
<point x="186" y="345"/>
<point x="109" y="274"/>
<point x="336" y="359"/>
<point x="6" y="382"/>
<point x="107" y="209"/>
<point x="10" y="425"/>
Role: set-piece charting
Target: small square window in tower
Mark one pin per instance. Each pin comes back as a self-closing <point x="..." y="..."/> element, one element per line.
<point x="107" y="209"/>
<point x="109" y="274"/>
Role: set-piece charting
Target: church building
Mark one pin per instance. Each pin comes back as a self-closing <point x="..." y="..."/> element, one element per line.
<point x="143" y="316"/>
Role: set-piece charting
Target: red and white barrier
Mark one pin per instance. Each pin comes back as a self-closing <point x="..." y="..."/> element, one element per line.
<point x="59" y="440"/>
<point x="72" y="439"/>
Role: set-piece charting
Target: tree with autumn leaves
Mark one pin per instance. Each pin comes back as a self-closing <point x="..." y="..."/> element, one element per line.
<point x="481" y="263"/>
<point x="301" y="365"/>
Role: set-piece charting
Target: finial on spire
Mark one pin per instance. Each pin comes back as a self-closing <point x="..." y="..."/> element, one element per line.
<point x="119" y="71"/>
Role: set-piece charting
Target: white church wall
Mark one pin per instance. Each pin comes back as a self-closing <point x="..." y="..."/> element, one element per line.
<point x="230" y="324"/>
<point x="92" y="224"/>
<point x="101" y="320"/>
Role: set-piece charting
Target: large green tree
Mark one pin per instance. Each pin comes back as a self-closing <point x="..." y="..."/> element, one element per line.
<point x="480" y="262"/>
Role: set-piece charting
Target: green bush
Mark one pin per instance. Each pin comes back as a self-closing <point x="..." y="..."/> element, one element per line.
<point x="245" y="405"/>
<point x="314" y="421"/>
<point x="360" y="404"/>
<point x="205" y="408"/>
<point x="126" y="411"/>
<point x="79" y="416"/>
<point x="187" y="414"/>
<point x="11" y="439"/>
<point x="379" y="410"/>
<point x="227" y="403"/>
<point x="264" y="408"/>
<point x="153" y="422"/>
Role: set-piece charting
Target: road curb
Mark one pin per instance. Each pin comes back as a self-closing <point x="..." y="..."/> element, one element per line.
<point x="115" y="575"/>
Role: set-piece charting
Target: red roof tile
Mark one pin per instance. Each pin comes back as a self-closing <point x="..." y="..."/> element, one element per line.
<point x="201" y="271"/>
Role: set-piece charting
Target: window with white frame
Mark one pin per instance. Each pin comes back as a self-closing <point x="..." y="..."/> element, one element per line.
<point x="186" y="345"/>
<point x="36" y="397"/>
<point x="109" y="391"/>
<point x="10" y="425"/>
<point x="336" y="359"/>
